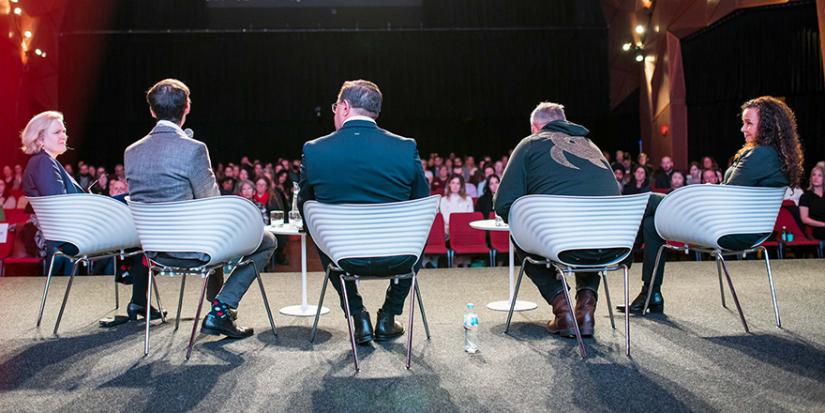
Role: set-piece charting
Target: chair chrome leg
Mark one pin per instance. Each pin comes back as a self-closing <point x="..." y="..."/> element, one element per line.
<point x="582" y="351"/>
<point x="157" y="297"/>
<point x="266" y="301"/>
<point x="75" y="266"/>
<point x="773" y="288"/>
<point x="350" y="323"/>
<point x="421" y="307"/>
<point x="721" y="286"/>
<point x="45" y="292"/>
<point x="515" y="296"/>
<point x="626" y="313"/>
<point x="148" y="313"/>
<point x="197" y="316"/>
<point x="180" y="300"/>
<point x="320" y="305"/>
<point x="652" y="280"/>
<point x="117" y="293"/>
<point x="410" y="317"/>
<point x="607" y="296"/>
<point x="733" y="293"/>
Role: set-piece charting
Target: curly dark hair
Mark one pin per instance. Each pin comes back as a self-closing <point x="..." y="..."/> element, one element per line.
<point x="777" y="127"/>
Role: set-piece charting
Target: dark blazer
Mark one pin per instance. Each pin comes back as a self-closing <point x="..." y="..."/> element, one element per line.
<point x="362" y="164"/>
<point x="45" y="176"/>
<point x="758" y="166"/>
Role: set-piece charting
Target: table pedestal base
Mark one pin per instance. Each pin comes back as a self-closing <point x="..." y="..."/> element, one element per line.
<point x="302" y="310"/>
<point x="504" y="305"/>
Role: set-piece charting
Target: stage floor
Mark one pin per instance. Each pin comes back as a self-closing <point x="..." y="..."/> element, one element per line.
<point x="696" y="358"/>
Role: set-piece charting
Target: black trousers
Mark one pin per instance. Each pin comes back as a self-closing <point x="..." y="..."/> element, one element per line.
<point x="382" y="266"/>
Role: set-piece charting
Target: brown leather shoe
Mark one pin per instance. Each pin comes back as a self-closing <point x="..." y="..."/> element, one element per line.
<point x="563" y="324"/>
<point x="585" y="308"/>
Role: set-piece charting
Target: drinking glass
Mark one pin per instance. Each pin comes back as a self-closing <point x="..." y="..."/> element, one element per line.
<point x="276" y="218"/>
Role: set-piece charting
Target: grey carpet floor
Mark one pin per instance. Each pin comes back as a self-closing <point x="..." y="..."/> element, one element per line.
<point x="695" y="358"/>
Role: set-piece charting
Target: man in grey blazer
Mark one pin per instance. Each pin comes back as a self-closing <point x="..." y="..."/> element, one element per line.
<point x="167" y="165"/>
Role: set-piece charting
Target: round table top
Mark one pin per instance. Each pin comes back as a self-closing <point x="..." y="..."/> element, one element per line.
<point x="283" y="229"/>
<point x="489" y="225"/>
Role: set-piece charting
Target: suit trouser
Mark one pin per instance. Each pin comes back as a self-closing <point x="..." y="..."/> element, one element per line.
<point x="652" y="241"/>
<point x="396" y="292"/>
<point x="236" y="285"/>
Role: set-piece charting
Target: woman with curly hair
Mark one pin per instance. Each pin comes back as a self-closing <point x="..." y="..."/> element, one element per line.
<point x="771" y="157"/>
<point x="772" y="154"/>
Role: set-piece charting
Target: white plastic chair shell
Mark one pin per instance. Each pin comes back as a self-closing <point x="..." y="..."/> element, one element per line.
<point x="95" y="224"/>
<point x="371" y="230"/>
<point x="223" y="228"/>
<point x="701" y="214"/>
<point x="547" y="225"/>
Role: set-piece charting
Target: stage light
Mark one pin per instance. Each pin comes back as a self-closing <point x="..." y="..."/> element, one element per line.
<point x="28" y="34"/>
<point x="38" y="52"/>
<point x="640" y="29"/>
<point x="626" y="46"/>
<point x="15" y="1"/>
<point x="639" y="57"/>
<point x="18" y="11"/>
<point x="43" y="55"/>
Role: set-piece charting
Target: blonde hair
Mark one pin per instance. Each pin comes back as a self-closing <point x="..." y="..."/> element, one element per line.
<point x="33" y="131"/>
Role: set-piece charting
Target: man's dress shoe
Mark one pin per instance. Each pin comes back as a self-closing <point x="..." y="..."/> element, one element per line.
<point x="363" y="327"/>
<point x="216" y="326"/>
<point x="657" y="303"/>
<point x="133" y="311"/>
<point x="386" y="328"/>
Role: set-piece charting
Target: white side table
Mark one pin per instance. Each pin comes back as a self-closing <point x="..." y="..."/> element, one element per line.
<point x="303" y="309"/>
<point x="504" y="305"/>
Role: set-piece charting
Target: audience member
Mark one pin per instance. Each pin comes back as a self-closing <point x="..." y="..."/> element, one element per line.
<point x="455" y="199"/>
<point x="812" y="204"/>
<point x="484" y="204"/>
<point x="7" y="201"/>
<point x="439" y="184"/>
<point x="677" y="180"/>
<point x="8" y="176"/>
<point x="639" y="182"/>
<point x="709" y="176"/>
<point x="101" y="186"/>
<point x="694" y="174"/>
<point x="661" y="179"/>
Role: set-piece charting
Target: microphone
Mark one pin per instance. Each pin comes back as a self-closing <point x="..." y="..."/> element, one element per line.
<point x="69" y="148"/>
<point x="89" y="189"/>
<point x="189" y="132"/>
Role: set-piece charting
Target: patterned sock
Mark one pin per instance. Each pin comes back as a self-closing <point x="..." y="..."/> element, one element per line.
<point x="219" y="309"/>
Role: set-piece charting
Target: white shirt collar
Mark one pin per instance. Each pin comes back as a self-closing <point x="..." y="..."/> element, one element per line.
<point x="360" y="117"/>
<point x="171" y="125"/>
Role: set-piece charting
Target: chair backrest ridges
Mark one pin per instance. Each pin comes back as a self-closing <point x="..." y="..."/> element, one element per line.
<point x="371" y="230"/>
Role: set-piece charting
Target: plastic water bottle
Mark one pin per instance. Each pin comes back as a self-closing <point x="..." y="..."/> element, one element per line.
<point x="471" y="329"/>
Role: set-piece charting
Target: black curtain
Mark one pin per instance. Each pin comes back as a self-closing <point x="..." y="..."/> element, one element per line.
<point x="764" y="51"/>
<point x="264" y="94"/>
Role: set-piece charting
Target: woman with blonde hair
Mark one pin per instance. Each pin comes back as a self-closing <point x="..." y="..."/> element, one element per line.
<point x="812" y="204"/>
<point x="45" y="139"/>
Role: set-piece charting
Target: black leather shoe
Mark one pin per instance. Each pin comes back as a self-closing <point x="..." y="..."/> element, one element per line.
<point x="134" y="311"/>
<point x="216" y="326"/>
<point x="363" y="327"/>
<point x="386" y="328"/>
<point x="657" y="303"/>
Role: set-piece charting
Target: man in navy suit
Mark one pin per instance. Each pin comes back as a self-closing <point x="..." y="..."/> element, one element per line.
<point x="363" y="164"/>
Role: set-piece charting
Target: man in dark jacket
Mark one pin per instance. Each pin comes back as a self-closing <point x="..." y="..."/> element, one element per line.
<point x="558" y="159"/>
<point x="361" y="163"/>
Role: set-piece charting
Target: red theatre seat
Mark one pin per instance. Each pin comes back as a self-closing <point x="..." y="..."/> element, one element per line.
<point x="464" y="240"/>
<point x="436" y="244"/>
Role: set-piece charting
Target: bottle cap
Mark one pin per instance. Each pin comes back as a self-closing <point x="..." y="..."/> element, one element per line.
<point x="470" y="306"/>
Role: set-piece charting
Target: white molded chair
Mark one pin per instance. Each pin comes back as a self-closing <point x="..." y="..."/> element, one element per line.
<point x="368" y="231"/>
<point x="548" y="225"/>
<point x="99" y="226"/>
<point x="699" y="215"/>
<point x="222" y="228"/>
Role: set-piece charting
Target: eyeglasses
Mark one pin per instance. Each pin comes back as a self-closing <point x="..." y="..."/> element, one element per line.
<point x="336" y="104"/>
